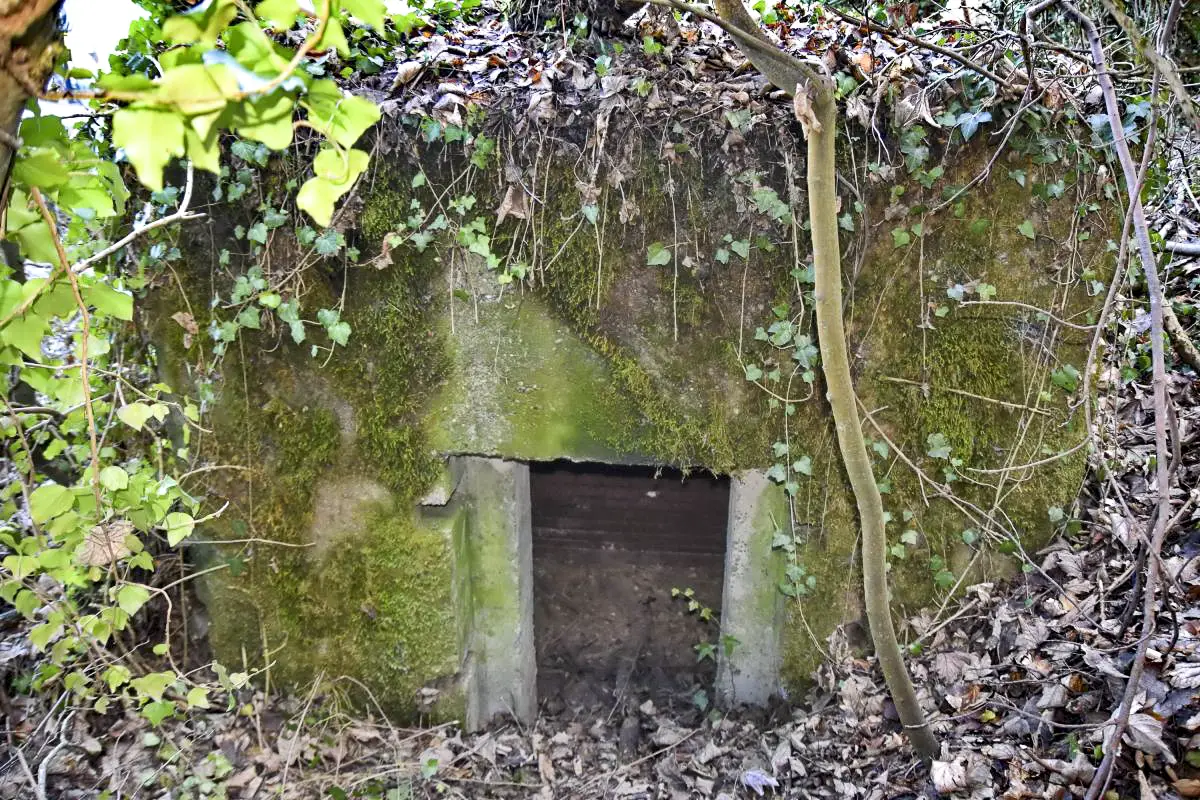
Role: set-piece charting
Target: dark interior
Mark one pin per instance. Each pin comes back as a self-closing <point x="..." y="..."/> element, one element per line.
<point x="609" y="544"/>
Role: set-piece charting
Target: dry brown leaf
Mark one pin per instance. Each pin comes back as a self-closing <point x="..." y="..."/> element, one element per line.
<point x="105" y="543"/>
<point x="513" y="205"/>
<point x="186" y="321"/>
<point x="803" y="107"/>
<point x="406" y="73"/>
<point x="949" y="776"/>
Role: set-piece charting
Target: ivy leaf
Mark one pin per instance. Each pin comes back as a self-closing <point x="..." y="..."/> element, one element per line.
<point x="280" y="15"/>
<point x="134" y="415"/>
<point x="248" y="318"/>
<point x="131" y="597"/>
<point x="803" y="465"/>
<point x="49" y="501"/>
<point x="1026" y="229"/>
<point x="108" y="300"/>
<point x="267" y="120"/>
<point x="369" y="11"/>
<point x="936" y="446"/>
<point x="753" y="372"/>
<point x="157" y="711"/>
<point x="179" y="526"/>
<point x="777" y="473"/>
<point x="334" y="177"/>
<point x="657" y="254"/>
<point x="150" y="138"/>
<point x="42" y="167"/>
<point x="986" y="291"/>
<point x="741" y="247"/>
<point x="1065" y="377"/>
<point x="339" y="332"/>
<point x="197" y="697"/>
<point x="340" y="116"/>
<point x="900" y="237"/>
<point x="203" y="25"/>
<point x="114" y="479"/>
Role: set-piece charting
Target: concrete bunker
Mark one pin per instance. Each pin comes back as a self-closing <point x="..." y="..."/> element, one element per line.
<point x="568" y="601"/>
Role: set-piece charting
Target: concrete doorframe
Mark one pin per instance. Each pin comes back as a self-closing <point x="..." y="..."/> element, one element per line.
<point x="499" y="659"/>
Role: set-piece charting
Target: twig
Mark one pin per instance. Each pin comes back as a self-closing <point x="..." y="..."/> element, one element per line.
<point x="1183" y="248"/>
<point x="944" y="51"/>
<point x="181" y="214"/>
<point x="84" y="334"/>
<point x="626" y="767"/>
<point x="1159" y="382"/>
<point x="1028" y="307"/>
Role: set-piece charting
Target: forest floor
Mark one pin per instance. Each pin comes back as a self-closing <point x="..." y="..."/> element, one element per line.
<point x="1025" y="676"/>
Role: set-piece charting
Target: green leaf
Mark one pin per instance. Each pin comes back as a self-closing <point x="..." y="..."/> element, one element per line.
<point x="936" y="446"/>
<point x="179" y="526"/>
<point x="804" y="466"/>
<point x="986" y="291"/>
<point x="333" y="39"/>
<point x="197" y="89"/>
<point x="114" y="479"/>
<point x="134" y="415"/>
<point x="657" y="254"/>
<point x="40" y="635"/>
<point x="900" y="237"/>
<point x="116" y="676"/>
<point x="753" y="372"/>
<point x="339" y="332"/>
<point x="153" y="685"/>
<point x="279" y="15"/>
<point x="157" y="711"/>
<point x="108" y="300"/>
<point x="741" y="247"/>
<point x="267" y="120"/>
<point x="248" y="318"/>
<point x="334" y="177"/>
<point x="343" y="118"/>
<point x="150" y="138"/>
<point x="369" y="11"/>
<point x="41" y="167"/>
<point x="197" y="697"/>
<point x="202" y="26"/>
<point x="1026" y="229"/>
<point x="49" y="501"/>
<point x="131" y="597"/>
<point x="1065" y="377"/>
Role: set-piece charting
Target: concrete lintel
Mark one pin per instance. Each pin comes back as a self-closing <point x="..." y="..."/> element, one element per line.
<point x="500" y="664"/>
<point x="752" y="607"/>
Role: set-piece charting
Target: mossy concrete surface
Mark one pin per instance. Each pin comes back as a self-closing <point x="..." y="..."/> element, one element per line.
<point x="749" y="656"/>
<point x="599" y="355"/>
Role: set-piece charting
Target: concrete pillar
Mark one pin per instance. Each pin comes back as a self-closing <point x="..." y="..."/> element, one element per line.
<point x="752" y="607"/>
<point x="500" y="664"/>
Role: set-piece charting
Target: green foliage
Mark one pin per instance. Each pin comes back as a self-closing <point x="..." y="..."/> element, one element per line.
<point x="80" y="550"/>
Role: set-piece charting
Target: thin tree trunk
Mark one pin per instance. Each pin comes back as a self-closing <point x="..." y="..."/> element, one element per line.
<point x="29" y="45"/>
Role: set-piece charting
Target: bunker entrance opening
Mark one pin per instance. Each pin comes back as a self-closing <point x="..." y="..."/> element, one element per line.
<point x="610" y="543"/>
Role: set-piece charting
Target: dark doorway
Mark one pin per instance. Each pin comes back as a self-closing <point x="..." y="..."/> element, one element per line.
<point x="609" y="545"/>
